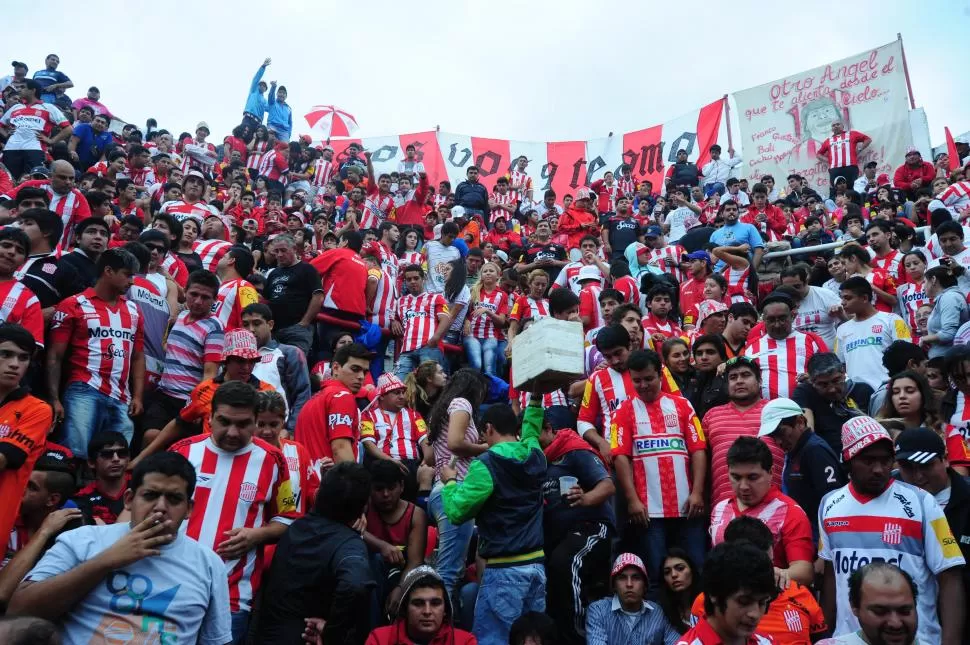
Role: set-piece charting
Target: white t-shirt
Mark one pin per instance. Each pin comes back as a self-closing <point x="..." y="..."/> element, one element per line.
<point x="680" y="220"/>
<point x="438" y="256"/>
<point x="180" y="596"/>
<point x="463" y="297"/>
<point x="813" y="314"/>
<point x="741" y="198"/>
<point x="903" y="526"/>
<point x="861" y="344"/>
<point x="855" y="638"/>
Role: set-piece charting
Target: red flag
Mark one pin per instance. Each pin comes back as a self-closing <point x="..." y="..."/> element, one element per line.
<point x="951" y="150"/>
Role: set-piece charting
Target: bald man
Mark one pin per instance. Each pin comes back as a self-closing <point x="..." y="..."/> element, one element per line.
<point x="883" y="597"/>
<point x="65" y="200"/>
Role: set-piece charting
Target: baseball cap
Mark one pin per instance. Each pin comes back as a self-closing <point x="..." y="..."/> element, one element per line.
<point x="457" y="211"/>
<point x="776" y="411"/>
<point x="241" y="344"/>
<point x="370" y="249"/>
<point x="859" y="433"/>
<point x="388" y="382"/>
<point x="589" y="273"/>
<point x="194" y="173"/>
<point x="43" y="171"/>
<point x="919" y="445"/>
<point x="653" y="231"/>
<point x="582" y="193"/>
<point x="696" y="255"/>
<point x="203" y="126"/>
<point x="913" y="150"/>
<point x="625" y="560"/>
<point x="883" y="180"/>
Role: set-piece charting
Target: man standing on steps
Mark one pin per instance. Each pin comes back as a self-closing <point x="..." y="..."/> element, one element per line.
<point x="841" y="153"/>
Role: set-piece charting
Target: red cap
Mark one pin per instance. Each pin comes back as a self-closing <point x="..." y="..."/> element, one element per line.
<point x="625" y="560"/>
<point x="883" y="180"/>
<point x="371" y="249"/>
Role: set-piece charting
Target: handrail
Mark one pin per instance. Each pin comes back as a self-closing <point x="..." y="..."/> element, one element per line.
<point x="818" y="247"/>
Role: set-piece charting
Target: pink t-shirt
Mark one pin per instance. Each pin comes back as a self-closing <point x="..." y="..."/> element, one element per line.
<point x="442" y="455"/>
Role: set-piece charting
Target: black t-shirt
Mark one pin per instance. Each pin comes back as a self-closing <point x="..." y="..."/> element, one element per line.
<point x="39" y="278"/>
<point x="536" y="252"/>
<point x="289" y="290"/>
<point x="75" y="273"/>
<point x="830" y="416"/>
<point x="812" y="469"/>
<point x="192" y="261"/>
<point x="558" y="517"/>
<point x="623" y="231"/>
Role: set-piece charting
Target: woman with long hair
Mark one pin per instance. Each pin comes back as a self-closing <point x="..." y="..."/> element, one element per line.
<point x="423" y="385"/>
<point x="535" y="305"/>
<point x="681" y="585"/>
<point x="190" y="233"/>
<point x="458" y="296"/>
<point x="912" y="293"/>
<point x="454" y="441"/>
<point x="407" y="247"/>
<point x="484" y="328"/>
<point x="955" y="404"/>
<point x="257" y="147"/>
<point x="949" y="307"/>
<point x="911" y="400"/>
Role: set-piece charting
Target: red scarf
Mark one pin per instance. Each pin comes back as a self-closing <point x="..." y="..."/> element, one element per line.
<point x="566" y="441"/>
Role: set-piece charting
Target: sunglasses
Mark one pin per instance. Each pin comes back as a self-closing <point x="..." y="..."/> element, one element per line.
<point x="108" y="453"/>
<point x="156" y="247"/>
<point x="744" y="360"/>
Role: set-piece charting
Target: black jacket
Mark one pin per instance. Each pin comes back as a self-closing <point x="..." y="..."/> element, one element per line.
<point x="472" y="196"/>
<point x="957" y="513"/>
<point x="320" y="569"/>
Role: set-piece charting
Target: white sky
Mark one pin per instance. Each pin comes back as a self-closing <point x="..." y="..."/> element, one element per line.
<point x="535" y="70"/>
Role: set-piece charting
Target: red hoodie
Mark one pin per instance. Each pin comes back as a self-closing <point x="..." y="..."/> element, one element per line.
<point x="777" y="223"/>
<point x="904" y="176"/>
<point x="397" y="634"/>
<point x="411" y="212"/>
<point x="575" y="224"/>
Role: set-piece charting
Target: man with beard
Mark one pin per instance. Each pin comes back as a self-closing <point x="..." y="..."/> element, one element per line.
<point x="543" y="254"/>
<point x="875" y="517"/>
<point x="737" y="236"/>
<point x="883" y="597"/>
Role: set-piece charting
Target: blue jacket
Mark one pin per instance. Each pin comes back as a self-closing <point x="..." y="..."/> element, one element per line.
<point x="256" y="102"/>
<point x="280" y="118"/>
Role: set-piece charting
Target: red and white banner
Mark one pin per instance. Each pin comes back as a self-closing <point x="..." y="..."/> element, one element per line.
<point x="562" y="166"/>
<point x="784" y="122"/>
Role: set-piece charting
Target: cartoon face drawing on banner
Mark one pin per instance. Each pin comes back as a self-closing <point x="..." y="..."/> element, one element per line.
<point x="818" y="116"/>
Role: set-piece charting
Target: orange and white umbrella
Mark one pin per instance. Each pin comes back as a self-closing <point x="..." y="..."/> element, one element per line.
<point x="330" y="121"/>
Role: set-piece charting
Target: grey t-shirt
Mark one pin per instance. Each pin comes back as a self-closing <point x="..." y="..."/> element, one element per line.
<point x="180" y="596"/>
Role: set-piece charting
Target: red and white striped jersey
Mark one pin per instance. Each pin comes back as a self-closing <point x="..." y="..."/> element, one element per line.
<point x="627" y="186"/>
<point x="482" y="327"/>
<point x="304" y="479"/>
<point x="669" y="259"/>
<point x="29" y="122"/>
<point x="19" y="305"/>
<point x="737" y="281"/>
<point x="176" y="268"/>
<point x="144" y="176"/>
<point x="911" y="297"/>
<point x="410" y="257"/>
<point x="527" y="307"/>
<point x="380" y="309"/>
<point x="272" y="165"/>
<point x="520" y="183"/>
<point x="569" y="276"/>
<point x="961" y="417"/>
<point x="628" y="286"/>
<point x="549" y="399"/>
<point x="256" y="156"/>
<point x="397" y="434"/>
<point x="589" y="306"/>
<point x="234" y="296"/>
<point x="189" y="161"/>
<point x="891" y="263"/>
<point x="439" y="199"/>
<point x="321" y="171"/>
<point x="72" y="207"/>
<point x="653" y="325"/>
<point x="508" y="199"/>
<point x="659" y="438"/>
<point x="211" y="251"/>
<point x="782" y="515"/>
<point x="605" y="390"/>
<point x="247" y="488"/>
<point x="101" y="340"/>
<point x="377" y="208"/>
<point x="842" y="149"/>
<point x="181" y="210"/>
<point x="956" y="197"/>
<point x="782" y="361"/>
<point x="420" y="315"/>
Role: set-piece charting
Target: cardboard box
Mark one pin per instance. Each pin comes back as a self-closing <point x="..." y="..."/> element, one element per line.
<point x="548" y="355"/>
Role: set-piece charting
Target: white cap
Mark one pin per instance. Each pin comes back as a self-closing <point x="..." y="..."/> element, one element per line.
<point x="590" y="272"/>
<point x="457" y="211"/>
<point x="437" y="231"/>
<point x="775" y="412"/>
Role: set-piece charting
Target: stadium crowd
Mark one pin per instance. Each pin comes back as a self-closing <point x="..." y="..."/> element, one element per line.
<point x="251" y="392"/>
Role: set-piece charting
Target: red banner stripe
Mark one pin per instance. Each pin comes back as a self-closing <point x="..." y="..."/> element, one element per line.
<point x="642" y="150"/>
<point x="566" y="165"/>
<point x="708" y="125"/>
<point x="493" y="158"/>
<point x="428" y="152"/>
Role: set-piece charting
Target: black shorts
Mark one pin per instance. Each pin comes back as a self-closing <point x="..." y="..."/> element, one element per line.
<point x="161" y="409"/>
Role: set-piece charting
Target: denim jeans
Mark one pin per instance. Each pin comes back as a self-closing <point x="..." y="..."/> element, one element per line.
<point x="505" y="594"/>
<point x="482" y="354"/>
<point x="716" y="186"/>
<point x="240" y="627"/>
<point x="297" y="336"/>
<point x="663" y="533"/>
<point x="377" y="363"/>
<point x="87" y="411"/>
<point x="453" y="542"/>
<point x="408" y="362"/>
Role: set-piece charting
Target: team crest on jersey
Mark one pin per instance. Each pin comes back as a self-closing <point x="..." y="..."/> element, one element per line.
<point x="793" y="620"/>
<point x="247" y="492"/>
<point x="892" y="533"/>
<point x="877" y="329"/>
<point x="671" y="420"/>
<point x="293" y="464"/>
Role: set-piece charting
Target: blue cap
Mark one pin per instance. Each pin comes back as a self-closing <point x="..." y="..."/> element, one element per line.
<point x="696" y="255"/>
<point x="654" y="231"/>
